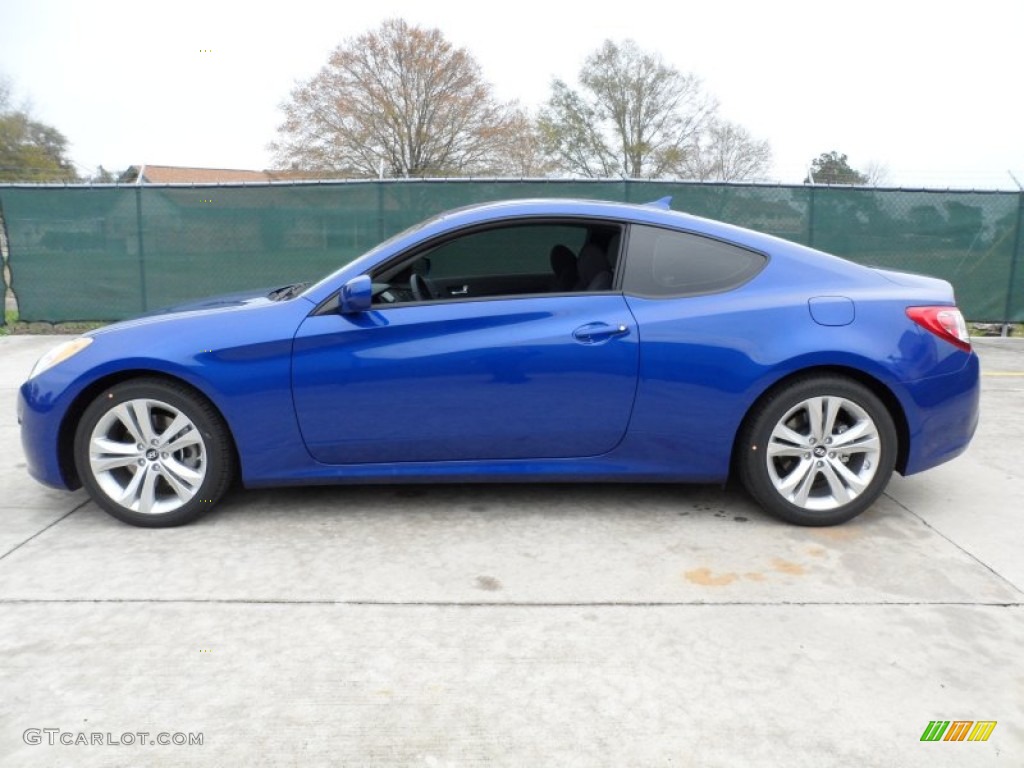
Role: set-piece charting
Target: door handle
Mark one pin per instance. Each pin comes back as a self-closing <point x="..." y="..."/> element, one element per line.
<point x="595" y="333"/>
<point x="459" y="291"/>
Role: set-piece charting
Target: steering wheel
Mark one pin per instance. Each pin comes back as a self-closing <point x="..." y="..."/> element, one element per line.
<point x="422" y="288"/>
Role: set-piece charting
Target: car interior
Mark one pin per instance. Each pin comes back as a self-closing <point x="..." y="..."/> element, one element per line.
<point x="510" y="260"/>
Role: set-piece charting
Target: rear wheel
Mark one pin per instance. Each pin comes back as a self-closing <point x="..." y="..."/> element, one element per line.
<point x="819" y="451"/>
<point x="153" y="453"/>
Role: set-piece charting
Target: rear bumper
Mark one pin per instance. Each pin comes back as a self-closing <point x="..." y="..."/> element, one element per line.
<point x="942" y="416"/>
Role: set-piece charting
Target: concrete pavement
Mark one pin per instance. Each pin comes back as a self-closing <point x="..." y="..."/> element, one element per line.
<point x="519" y="625"/>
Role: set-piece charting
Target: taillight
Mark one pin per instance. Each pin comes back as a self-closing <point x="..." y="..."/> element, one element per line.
<point x="945" y="322"/>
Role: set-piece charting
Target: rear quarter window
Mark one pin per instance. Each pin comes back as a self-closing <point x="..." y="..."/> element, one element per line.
<point x="663" y="262"/>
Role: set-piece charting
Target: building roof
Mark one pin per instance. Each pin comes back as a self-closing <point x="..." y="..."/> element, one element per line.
<point x="172" y="174"/>
<point x="176" y="174"/>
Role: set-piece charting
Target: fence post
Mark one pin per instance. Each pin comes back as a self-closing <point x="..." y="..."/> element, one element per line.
<point x="380" y="210"/>
<point x="810" y="218"/>
<point x="1014" y="258"/>
<point x="4" y="264"/>
<point x="142" y="255"/>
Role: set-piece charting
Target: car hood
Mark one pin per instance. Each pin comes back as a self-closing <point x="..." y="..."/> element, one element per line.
<point x="241" y="301"/>
<point x="241" y="298"/>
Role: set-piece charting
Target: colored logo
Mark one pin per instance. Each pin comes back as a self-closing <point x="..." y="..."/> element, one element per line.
<point x="958" y="730"/>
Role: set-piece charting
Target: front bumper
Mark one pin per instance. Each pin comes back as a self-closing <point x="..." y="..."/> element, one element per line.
<point x="40" y="422"/>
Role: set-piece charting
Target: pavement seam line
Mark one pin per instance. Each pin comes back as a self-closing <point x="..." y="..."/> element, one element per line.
<point x="43" y="530"/>
<point x="971" y="555"/>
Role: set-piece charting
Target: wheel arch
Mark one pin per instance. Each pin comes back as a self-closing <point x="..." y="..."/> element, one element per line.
<point x="877" y="387"/>
<point x="73" y="415"/>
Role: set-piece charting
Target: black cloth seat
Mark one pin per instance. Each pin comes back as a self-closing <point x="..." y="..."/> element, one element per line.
<point x="594" y="271"/>
<point x="563" y="265"/>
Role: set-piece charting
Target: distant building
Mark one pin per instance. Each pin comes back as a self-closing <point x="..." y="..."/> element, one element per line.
<point x="176" y="174"/>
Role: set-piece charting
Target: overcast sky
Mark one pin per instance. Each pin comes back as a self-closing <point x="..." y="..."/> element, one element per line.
<point x="932" y="90"/>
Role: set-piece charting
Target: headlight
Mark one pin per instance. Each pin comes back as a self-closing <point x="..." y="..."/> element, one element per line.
<point x="59" y="354"/>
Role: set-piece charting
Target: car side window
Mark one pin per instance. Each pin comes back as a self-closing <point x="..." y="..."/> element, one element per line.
<point x="512" y="259"/>
<point x="666" y="263"/>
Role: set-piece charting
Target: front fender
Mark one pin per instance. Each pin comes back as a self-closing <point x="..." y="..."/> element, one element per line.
<point x="239" y="360"/>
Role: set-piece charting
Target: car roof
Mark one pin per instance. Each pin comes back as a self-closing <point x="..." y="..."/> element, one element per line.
<point x="655" y="214"/>
<point x="554" y="207"/>
<point x="650" y="213"/>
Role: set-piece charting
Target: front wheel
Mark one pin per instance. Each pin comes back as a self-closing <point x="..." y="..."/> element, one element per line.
<point x="153" y="453"/>
<point x="819" y="451"/>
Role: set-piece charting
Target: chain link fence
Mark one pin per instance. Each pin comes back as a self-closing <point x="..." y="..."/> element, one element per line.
<point x="3" y="267"/>
<point x="98" y="253"/>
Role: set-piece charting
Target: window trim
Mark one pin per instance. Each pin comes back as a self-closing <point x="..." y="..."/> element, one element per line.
<point x="437" y="241"/>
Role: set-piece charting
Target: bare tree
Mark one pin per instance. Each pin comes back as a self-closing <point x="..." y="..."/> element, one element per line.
<point x="877" y="173"/>
<point x="726" y="151"/>
<point x="634" y="116"/>
<point x="522" y="154"/>
<point x="573" y="135"/>
<point x="400" y="97"/>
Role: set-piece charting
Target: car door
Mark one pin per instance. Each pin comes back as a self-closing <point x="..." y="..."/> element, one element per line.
<point x="469" y="377"/>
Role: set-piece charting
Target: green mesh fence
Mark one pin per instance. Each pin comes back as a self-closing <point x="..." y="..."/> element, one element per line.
<point x="3" y="265"/>
<point x="1014" y="311"/>
<point x="106" y="253"/>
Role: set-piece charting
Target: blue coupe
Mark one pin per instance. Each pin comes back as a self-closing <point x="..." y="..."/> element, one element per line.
<point x="538" y="340"/>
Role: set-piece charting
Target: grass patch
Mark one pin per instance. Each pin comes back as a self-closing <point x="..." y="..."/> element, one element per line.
<point x="13" y="325"/>
<point x="10" y="319"/>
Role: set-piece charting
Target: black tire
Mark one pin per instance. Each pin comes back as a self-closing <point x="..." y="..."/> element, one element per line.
<point x="817" y="481"/>
<point x="132" y="477"/>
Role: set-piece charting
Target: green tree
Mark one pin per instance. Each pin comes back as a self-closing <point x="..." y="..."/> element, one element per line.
<point x="833" y="168"/>
<point x="633" y="115"/>
<point x="30" y="150"/>
<point x="102" y="176"/>
<point x="400" y="97"/>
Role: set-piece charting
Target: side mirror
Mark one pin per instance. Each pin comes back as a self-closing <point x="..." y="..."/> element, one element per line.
<point x="356" y="295"/>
